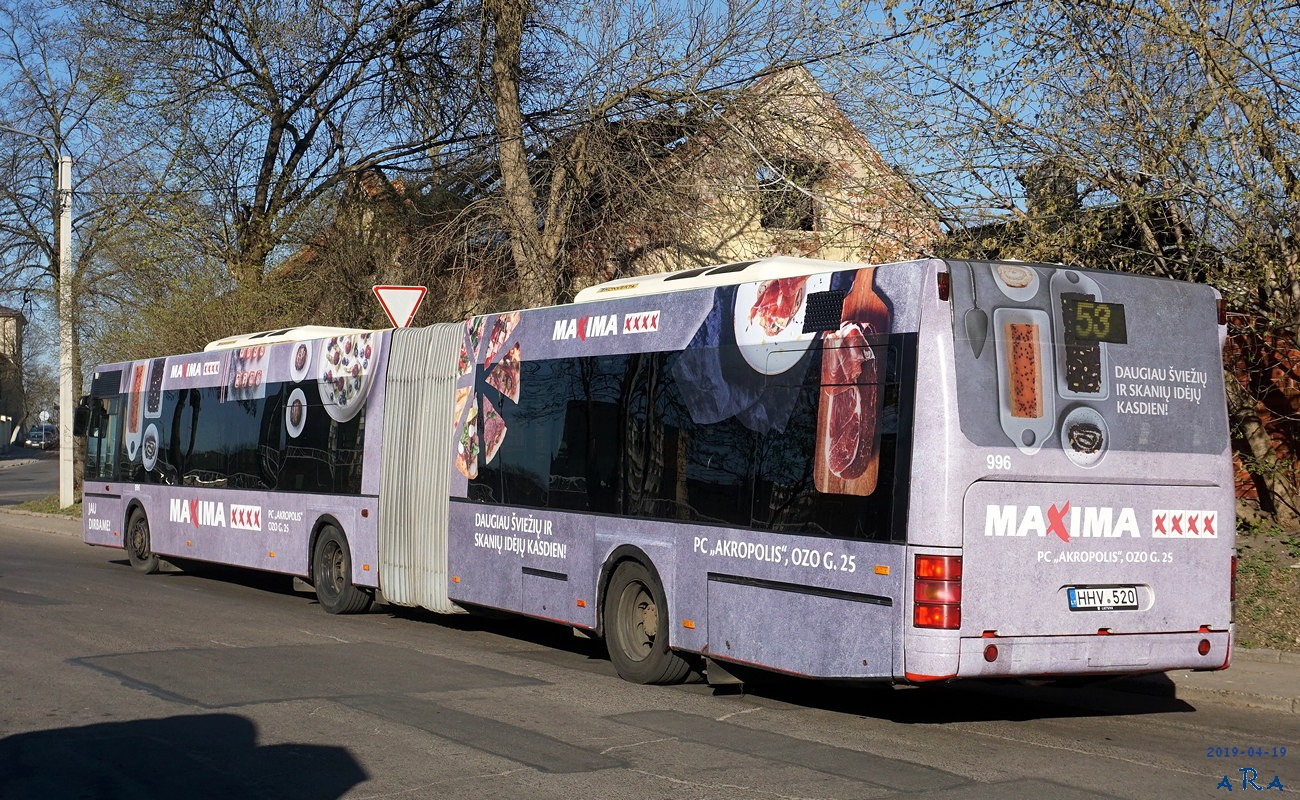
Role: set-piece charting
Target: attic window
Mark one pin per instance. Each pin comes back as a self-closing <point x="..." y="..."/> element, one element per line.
<point x="786" y="193"/>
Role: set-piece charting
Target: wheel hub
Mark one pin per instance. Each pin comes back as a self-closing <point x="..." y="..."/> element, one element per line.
<point x="649" y="620"/>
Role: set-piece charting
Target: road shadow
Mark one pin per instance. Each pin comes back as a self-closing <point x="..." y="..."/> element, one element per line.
<point x="962" y="701"/>
<point x="1007" y="700"/>
<point x="186" y="569"/>
<point x="514" y="628"/>
<point x="204" y="756"/>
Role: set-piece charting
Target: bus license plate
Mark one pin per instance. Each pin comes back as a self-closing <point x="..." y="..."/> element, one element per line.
<point x="1103" y="598"/>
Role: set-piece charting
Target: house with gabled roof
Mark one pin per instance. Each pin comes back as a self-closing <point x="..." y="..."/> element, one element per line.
<point x="773" y="168"/>
<point x="776" y="169"/>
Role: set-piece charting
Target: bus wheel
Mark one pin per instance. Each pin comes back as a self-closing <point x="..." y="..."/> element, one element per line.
<point x="142" y="558"/>
<point x="332" y="575"/>
<point x="636" y="628"/>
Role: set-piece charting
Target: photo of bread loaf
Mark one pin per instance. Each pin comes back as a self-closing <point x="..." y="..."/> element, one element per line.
<point x="1024" y="358"/>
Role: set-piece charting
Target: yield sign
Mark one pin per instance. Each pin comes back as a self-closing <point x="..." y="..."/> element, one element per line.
<point x="400" y="302"/>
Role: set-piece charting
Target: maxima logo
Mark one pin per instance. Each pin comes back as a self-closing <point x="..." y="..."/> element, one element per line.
<point x="1183" y="524"/>
<point x="247" y="518"/>
<point x="585" y="328"/>
<point x="212" y="514"/>
<point x="1063" y="521"/>
<point x="1067" y="521"/>
<point x="641" y="322"/>
<point x="593" y="327"/>
<point x="196" y="368"/>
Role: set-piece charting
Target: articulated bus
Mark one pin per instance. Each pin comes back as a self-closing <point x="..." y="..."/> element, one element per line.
<point x="910" y="472"/>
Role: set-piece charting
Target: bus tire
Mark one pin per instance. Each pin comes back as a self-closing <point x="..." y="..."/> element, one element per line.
<point x="138" y="548"/>
<point x="331" y="567"/>
<point x="636" y="628"/>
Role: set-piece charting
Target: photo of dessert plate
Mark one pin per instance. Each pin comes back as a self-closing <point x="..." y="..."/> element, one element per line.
<point x="135" y="411"/>
<point x="247" y="373"/>
<point x="1068" y="281"/>
<point x="756" y="343"/>
<point x="1084" y="436"/>
<point x="300" y="361"/>
<point x="149" y="448"/>
<point x="1018" y="282"/>
<point x="295" y="413"/>
<point x="346" y="366"/>
<point x="1025" y="369"/>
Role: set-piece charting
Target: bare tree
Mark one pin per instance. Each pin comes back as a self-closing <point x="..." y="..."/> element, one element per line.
<point x="266" y="107"/>
<point x="1159" y="136"/>
<point x="568" y="83"/>
<point x="53" y="105"/>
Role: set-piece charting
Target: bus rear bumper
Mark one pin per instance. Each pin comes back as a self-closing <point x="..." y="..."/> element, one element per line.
<point x="1095" y="654"/>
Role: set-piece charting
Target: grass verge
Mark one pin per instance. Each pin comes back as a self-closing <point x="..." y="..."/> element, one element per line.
<point x="1268" y="587"/>
<point x="50" y="505"/>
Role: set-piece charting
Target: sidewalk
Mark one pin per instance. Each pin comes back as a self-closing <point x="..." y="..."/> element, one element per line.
<point x="1256" y="679"/>
<point x="1267" y="679"/>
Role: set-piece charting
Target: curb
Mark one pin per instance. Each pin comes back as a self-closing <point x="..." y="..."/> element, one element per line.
<point x="1266" y="656"/>
<point x="1179" y="685"/>
<point x="1230" y="697"/>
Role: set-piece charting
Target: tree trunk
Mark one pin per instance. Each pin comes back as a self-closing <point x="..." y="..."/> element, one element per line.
<point x="533" y="270"/>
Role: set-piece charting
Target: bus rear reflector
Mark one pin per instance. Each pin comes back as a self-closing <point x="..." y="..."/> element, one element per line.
<point x="945" y="283"/>
<point x="936" y="592"/>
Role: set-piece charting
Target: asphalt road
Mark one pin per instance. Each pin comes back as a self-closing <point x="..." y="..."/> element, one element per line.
<point x="225" y="684"/>
<point x="21" y="481"/>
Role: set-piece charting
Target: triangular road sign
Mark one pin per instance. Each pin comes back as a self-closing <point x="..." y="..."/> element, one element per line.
<point x="400" y="302"/>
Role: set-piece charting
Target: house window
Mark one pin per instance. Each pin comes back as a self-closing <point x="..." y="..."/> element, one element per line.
<point x="786" y="194"/>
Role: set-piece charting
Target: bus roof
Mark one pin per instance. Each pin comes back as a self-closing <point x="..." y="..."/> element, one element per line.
<point x="282" y="335"/>
<point x="710" y="276"/>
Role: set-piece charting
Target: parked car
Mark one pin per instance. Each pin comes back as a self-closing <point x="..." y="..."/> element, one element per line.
<point x="46" y="437"/>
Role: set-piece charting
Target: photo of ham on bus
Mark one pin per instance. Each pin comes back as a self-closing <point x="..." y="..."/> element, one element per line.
<point x="815" y="468"/>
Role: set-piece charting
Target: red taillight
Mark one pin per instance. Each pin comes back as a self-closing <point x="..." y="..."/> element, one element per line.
<point x="1203" y="647"/>
<point x="1232" y="582"/>
<point x="938" y="568"/>
<point x="936" y="592"/>
<point x="945" y="284"/>
<point x="931" y="615"/>
<point x="1223" y="311"/>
